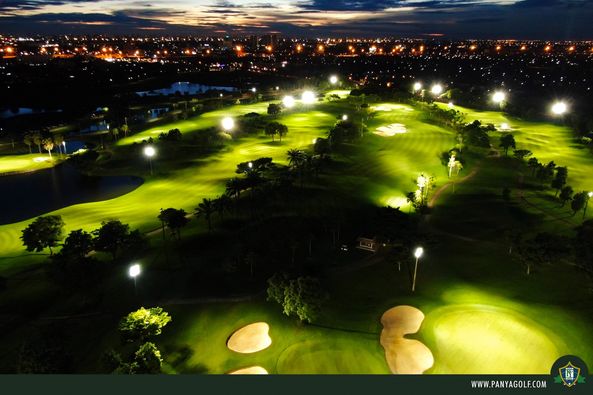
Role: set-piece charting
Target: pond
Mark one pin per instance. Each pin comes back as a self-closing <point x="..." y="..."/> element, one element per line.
<point x="37" y="193"/>
<point x="186" y="88"/>
<point x="14" y="112"/>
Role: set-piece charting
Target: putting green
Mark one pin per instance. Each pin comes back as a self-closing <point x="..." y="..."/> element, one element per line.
<point x="482" y="339"/>
<point x="331" y="356"/>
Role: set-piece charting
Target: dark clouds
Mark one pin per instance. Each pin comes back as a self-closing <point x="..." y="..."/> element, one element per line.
<point x="534" y="19"/>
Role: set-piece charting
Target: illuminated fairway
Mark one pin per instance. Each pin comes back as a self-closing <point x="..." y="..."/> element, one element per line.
<point x="25" y="163"/>
<point x="384" y="168"/>
<point x="547" y="141"/>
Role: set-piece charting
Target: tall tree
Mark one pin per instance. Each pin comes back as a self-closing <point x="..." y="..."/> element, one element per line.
<point x="579" y="200"/>
<point x="222" y="204"/>
<point x="507" y="141"/>
<point x="565" y="194"/>
<point x="560" y="179"/>
<point x="48" y="145"/>
<point x="174" y="219"/>
<point x="44" y="232"/>
<point x="111" y="236"/>
<point x="28" y="140"/>
<point x="37" y="139"/>
<point x="205" y="210"/>
<point x="142" y="324"/>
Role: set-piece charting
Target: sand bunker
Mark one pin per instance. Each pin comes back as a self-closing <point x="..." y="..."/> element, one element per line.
<point x="391" y="130"/>
<point x="250" y="370"/>
<point x="404" y="356"/>
<point x="391" y="107"/>
<point x="251" y="338"/>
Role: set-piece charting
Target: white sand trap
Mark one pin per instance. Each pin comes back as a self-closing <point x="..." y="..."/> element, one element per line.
<point x="391" y="130"/>
<point x="251" y="338"/>
<point x="250" y="370"/>
<point x="391" y="107"/>
<point x="404" y="356"/>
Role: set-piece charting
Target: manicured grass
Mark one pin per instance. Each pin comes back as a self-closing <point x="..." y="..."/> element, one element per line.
<point x="483" y="315"/>
<point x="25" y="163"/>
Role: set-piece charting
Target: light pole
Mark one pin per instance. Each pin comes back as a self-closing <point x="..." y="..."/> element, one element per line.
<point x="418" y="254"/>
<point x="589" y="196"/>
<point x="134" y="271"/>
<point x="149" y="152"/>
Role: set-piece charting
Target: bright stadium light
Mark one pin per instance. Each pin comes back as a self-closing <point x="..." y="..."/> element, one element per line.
<point x="149" y="152"/>
<point x="344" y="117"/>
<point x="134" y="271"/>
<point x="333" y="79"/>
<point x="498" y="97"/>
<point x="288" y="101"/>
<point x="308" y="97"/>
<point x="559" y="108"/>
<point x="436" y="89"/>
<point x="417" y="86"/>
<point x="228" y="123"/>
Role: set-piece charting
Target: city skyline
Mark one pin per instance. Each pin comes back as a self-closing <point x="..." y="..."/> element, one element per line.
<point x="503" y="19"/>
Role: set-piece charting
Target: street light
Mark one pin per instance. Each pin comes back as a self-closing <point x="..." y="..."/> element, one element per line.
<point x="288" y="101"/>
<point x="228" y="123"/>
<point x="417" y="254"/>
<point x="134" y="271"/>
<point x="149" y="152"/>
<point x="308" y="97"/>
<point x="417" y="86"/>
<point x="333" y="79"/>
<point x="254" y="89"/>
<point x="559" y="108"/>
<point x="436" y="89"/>
<point x="344" y="117"/>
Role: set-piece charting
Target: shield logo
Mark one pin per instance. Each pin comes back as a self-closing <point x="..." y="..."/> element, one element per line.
<point x="569" y="374"/>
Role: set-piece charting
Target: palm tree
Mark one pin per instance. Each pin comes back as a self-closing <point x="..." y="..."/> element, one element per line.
<point x="59" y="141"/>
<point x="222" y="204"/>
<point x="37" y="139"/>
<point x="295" y="157"/>
<point x="234" y="186"/>
<point x="28" y="140"/>
<point x="48" y="145"/>
<point x="206" y="209"/>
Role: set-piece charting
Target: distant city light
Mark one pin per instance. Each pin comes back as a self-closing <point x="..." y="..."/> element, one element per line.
<point x="308" y="97"/>
<point x="559" y="108"/>
<point x="498" y="97"/>
<point x="333" y="79"/>
<point x="288" y="101"/>
<point x="228" y="123"/>
<point x="436" y="89"/>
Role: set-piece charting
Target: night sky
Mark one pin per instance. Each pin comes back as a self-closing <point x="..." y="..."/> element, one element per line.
<point x="522" y="19"/>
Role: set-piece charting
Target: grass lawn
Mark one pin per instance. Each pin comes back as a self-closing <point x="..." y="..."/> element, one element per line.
<point x="25" y="163"/>
<point x="483" y="315"/>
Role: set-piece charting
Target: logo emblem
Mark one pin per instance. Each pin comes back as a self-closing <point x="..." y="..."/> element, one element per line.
<point x="569" y="374"/>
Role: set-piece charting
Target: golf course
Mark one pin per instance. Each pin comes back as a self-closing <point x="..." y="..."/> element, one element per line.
<point x="474" y="309"/>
